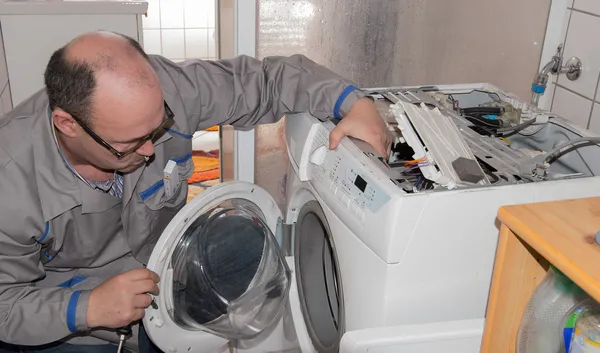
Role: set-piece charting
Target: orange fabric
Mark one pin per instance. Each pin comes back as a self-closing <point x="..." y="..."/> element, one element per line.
<point x="204" y="176"/>
<point x="206" y="166"/>
<point x="202" y="164"/>
<point x="212" y="128"/>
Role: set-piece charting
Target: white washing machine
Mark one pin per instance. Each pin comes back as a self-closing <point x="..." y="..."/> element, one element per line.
<point x="376" y="253"/>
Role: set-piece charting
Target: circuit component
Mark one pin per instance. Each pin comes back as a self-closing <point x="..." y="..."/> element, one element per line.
<point x="468" y="170"/>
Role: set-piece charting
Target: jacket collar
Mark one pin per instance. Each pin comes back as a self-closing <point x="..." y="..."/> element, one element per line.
<point x="57" y="186"/>
<point x="59" y="189"/>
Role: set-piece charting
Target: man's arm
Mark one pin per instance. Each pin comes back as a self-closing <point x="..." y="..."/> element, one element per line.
<point x="29" y="315"/>
<point x="245" y="91"/>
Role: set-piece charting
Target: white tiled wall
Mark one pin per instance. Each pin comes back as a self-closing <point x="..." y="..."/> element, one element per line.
<point x="579" y="100"/>
<point x="181" y="29"/>
<point x="5" y="99"/>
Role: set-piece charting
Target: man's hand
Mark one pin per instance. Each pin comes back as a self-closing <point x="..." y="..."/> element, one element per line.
<point x="364" y="123"/>
<point x="122" y="299"/>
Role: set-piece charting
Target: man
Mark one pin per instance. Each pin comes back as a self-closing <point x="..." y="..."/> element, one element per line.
<point x="81" y="164"/>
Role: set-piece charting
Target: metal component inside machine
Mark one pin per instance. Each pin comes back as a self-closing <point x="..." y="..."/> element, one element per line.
<point x="462" y="136"/>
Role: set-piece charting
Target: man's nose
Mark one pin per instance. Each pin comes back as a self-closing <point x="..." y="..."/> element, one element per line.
<point x="147" y="149"/>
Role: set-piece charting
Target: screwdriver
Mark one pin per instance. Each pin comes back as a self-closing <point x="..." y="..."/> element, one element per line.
<point x="123" y="333"/>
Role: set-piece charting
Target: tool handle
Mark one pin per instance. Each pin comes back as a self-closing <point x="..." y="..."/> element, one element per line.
<point x="124" y="331"/>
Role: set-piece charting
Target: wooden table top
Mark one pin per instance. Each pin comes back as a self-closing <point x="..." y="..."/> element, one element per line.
<point x="564" y="232"/>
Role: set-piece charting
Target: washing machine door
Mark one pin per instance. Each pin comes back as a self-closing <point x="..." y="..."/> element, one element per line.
<point x="223" y="275"/>
<point x="317" y="298"/>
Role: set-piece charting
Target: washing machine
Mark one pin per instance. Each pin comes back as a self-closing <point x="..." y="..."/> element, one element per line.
<point x="373" y="253"/>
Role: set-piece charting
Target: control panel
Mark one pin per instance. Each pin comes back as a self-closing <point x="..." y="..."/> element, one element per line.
<point x="347" y="178"/>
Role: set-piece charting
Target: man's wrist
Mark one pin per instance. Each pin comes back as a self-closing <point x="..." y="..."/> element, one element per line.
<point x="346" y="100"/>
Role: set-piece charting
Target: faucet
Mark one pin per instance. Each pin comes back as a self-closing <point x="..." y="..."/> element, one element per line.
<point x="572" y="69"/>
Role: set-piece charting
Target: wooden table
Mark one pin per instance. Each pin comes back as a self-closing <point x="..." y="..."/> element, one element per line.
<point x="532" y="236"/>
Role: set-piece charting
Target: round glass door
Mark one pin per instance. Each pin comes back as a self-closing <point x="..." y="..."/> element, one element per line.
<point x="229" y="275"/>
<point x="318" y="279"/>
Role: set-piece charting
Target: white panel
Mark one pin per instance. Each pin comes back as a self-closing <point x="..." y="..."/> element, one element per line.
<point x="173" y="43"/>
<point x="595" y="119"/>
<point x="212" y="43"/>
<point x="152" y="21"/>
<point x="171" y="14"/>
<point x="70" y="7"/>
<point x="571" y="106"/>
<point x="245" y="43"/>
<point x="592" y="6"/>
<point x="152" y="41"/>
<point x="27" y="62"/>
<point x="581" y="42"/>
<point x="196" y="43"/>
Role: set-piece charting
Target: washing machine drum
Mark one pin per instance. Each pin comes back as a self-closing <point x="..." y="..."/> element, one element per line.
<point x="228" y="274"/>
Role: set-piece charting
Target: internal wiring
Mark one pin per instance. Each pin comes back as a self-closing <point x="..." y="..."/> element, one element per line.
<point x="483" y="121"/>
<point x="415" y="164"/>
<point x="509" y="131"/>
<point x="573" y="145"/>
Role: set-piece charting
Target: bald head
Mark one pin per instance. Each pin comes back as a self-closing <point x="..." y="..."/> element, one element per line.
<point x="105" y="97"/>
<point x="92" y="63"/>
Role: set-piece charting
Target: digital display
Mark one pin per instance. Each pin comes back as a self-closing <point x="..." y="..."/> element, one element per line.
<point x="360" y="183"/>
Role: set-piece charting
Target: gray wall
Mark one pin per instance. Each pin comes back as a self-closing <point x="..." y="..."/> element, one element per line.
<point x="400" y="42"/>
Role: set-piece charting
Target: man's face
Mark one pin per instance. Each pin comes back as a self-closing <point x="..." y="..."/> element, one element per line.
<point x="123" y="115"/>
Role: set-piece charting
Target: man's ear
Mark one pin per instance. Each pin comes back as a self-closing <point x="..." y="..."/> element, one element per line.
<point x="64" y="122"/>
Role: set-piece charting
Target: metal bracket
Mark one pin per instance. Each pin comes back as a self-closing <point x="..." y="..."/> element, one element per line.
<point x="285" y="236"/>
<point x="572" y="68"/>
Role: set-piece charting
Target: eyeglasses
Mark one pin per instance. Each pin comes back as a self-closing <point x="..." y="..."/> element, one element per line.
<point x="169" y="118"/>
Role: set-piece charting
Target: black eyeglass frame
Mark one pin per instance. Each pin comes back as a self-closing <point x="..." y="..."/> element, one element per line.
<point x="169" y="117"/>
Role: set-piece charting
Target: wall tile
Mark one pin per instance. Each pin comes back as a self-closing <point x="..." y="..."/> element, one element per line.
<point x="152" y="41"/>
<point x="171" y="14"/>
<point x="583" y="30"/>
<point x="595" y="120"/>
<point x="572" y="107"/>
<point x="173" y="43"/>
<point x="152" y="21"/>
<point x="558" y="32"/>
<point x="592" y="6"/>
<point x="197" y="13"/>
<point x="196" y="43"/>
<point x="210" y="12"/>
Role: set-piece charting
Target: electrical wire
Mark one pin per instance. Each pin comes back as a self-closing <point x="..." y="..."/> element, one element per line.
<point x="533" y="132"/>
<point x="514" y="130"/>
<point x="573" y="144"/>
<point x="482" y="120"/>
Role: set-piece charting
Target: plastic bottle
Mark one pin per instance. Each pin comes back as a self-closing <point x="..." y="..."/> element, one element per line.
<point x="544" y="320"/>
<point x="586" y="338"/>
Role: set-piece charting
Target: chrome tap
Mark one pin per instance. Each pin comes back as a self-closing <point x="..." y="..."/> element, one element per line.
<point x="572" y="69"/>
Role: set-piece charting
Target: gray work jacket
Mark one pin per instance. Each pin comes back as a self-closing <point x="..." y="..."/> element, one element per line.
<point x="59" y="238"/>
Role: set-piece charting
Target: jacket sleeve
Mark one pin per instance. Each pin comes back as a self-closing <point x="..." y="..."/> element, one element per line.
<point x="30" y="315"/>
<point x="245" y="91"/>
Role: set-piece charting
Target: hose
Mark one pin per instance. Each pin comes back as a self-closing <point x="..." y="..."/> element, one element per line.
<point x="558" y="151"/>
